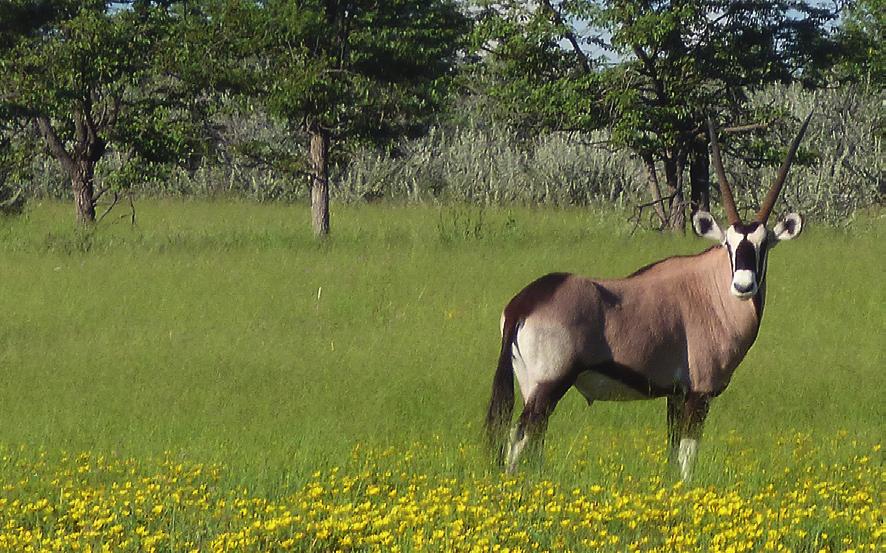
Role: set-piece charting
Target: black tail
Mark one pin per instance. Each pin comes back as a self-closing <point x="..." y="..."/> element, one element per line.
<point x="501" y="405"/>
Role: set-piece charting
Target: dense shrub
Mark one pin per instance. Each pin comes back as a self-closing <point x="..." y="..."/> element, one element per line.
<point x="842" y="170"/>
<point x="487" y="164"/>
<point x="845" y="136"/>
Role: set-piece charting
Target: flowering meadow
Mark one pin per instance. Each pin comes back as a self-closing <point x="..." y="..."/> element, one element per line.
<point x="380" y="502"/>
<point x="213" y="380"/>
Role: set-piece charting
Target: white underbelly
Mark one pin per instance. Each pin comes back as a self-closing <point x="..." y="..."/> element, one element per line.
<point x="597" y="387"/>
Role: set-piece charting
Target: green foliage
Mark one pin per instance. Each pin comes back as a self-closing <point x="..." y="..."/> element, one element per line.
<point x="839" y="173"/>
<point x="525" y="74"/>
<point x="365" y="72"/>
<point x="841" y="166"/>
<point x="20" y="18"/>
<point x="94" y="75"/>
<point x="13" y="161"/>
<point x="862" y="38"/>
<point x="477" y="164"/>
<point x="80" y="54"/>
<point x="689" y="60"/>
<point x="651" y="73"/>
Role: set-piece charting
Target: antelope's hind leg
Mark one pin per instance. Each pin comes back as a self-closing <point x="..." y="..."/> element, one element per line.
<point x="532" y="424"/>
<point x="544" y="357"/>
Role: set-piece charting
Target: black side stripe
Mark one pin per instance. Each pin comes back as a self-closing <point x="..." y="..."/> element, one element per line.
<point x="632" y="379"/>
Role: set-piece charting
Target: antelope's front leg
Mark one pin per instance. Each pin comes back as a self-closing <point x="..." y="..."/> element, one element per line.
<point x="694" y="410"/>
<point x="675" y="423"/>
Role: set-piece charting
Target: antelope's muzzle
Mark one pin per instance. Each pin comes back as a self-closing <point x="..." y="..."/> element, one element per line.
<point x="744" y="277"/>
<point x="744" y="284"/>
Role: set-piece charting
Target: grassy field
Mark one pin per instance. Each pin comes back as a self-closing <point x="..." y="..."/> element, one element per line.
<point x="212" y="378"/>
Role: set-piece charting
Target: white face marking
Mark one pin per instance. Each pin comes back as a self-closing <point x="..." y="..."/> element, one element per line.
<point x="758" y="236"/>
<point x="733" y="238"/>
<point x="686" y="457"/>
<point x="744" y="281"/>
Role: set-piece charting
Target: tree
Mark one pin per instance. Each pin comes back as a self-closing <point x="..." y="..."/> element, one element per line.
<point x="663" y="67"/>
<point x="87" y="78"/>
<point x="532" y="69"/>
<point x="862" y="36"/>
<point x="18" y="20"/>
<point x="337" y="71"/>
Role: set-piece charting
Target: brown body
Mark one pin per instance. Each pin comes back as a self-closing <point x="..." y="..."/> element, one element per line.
<point x="671" y="327"/>
<point x="678" y="328"/>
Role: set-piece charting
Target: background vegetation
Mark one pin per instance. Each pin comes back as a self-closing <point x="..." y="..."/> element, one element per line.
<point x="561" y="103"/>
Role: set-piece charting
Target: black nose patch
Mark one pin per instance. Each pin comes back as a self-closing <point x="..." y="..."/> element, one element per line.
<point x="744" y="288"/>
<point x="745" y="256"/>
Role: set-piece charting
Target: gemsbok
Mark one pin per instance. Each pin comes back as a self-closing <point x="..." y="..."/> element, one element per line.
<point x="676" y="328"/>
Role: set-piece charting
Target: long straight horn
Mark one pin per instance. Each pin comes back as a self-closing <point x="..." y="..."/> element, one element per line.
<point x="725" y="190"/>
<point x="769" y="202"/>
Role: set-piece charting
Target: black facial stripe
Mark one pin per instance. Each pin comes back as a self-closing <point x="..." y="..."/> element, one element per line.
<point x="745" y="256"/>
<point x="761" y="268"/>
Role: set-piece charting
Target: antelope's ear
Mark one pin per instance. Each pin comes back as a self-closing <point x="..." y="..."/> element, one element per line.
<point x="789" y="228"/>
<point x="705" y="226"/>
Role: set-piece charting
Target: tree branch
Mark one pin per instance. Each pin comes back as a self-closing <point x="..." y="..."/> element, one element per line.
<point x="110" y="207"/>
<point x="738" y="129"/>
<point x="659" y="208"/>
<point x="54" y="143"/>
<point x="557" y="18"/>
<point x="99" y="194"/>
<point x="131" y="207"/>
<point x="649" y="66"/>
<point x="654" y="187"/>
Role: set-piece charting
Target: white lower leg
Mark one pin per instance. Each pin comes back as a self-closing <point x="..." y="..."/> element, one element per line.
<point x="515" y="448"/>
<point x="686" y="457"/>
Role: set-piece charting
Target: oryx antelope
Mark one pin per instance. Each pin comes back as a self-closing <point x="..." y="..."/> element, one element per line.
<point x="677" y="328"/>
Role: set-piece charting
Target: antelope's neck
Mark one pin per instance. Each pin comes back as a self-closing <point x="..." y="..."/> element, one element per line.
<point x="741" y="315"/>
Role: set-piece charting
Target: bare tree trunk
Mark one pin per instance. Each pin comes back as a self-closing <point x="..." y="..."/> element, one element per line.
<point x="677" y="209"/>
<point x="84" y="189"/>
<point x="79" y="163"/>
<point x="699" y="178"/>
<point x="654" y="188"/>
<point x="319" y="159"/>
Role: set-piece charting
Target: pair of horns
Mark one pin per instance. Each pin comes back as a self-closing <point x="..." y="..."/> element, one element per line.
<point x="726" y="191"/>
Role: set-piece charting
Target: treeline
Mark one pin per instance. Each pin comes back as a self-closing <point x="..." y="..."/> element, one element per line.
<point x="542" y="102"/>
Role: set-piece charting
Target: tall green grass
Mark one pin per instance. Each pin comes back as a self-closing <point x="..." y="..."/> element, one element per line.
<point x="224" y="332"/>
